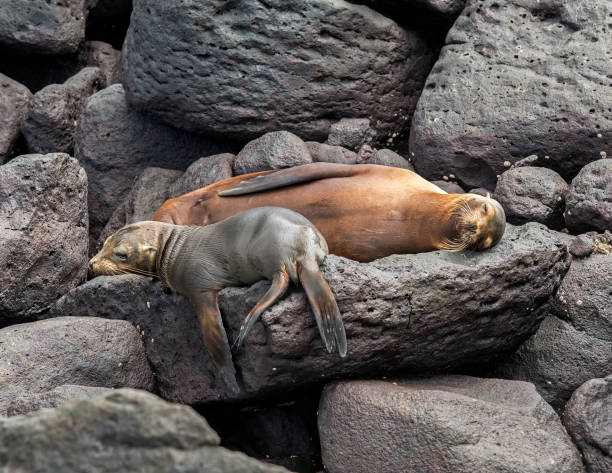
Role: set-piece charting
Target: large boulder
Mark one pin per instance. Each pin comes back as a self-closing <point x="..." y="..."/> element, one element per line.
<point x="43" y="242"/>
<point x="531" y="194"/>
<point x="322" y="152"/>
<point x="40" y="356"/>
<point x="245" y="69"/>
<point x="436" y="310"/>
<point x="202" y="173"/>
<point x="42" y="26"/>
<point x="588" y="418"/>
<point x="350" y="133"/>
<point x="14" y="99"/>
<point x="32" y="401"/>
<point x="54" y="111"/>
<point x="570" y="349"/>
<point x="589" y="201"/>
<point x="446" y="424"/>
<point x="115" y="144"/>
<point x="124" y="431"/>
<point x="516" y="78"/>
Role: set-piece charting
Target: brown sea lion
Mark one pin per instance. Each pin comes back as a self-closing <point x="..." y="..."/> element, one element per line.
<point x="263" y="243"/>
<point x="364" y="211"/>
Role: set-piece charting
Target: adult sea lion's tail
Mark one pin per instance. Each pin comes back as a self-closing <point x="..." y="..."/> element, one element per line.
<point x="291" y="176"/>
<point x="323" y="303"/>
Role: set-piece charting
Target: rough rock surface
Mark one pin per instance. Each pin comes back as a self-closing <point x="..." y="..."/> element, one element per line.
<point x="40" y="356"/>
<point x="124" y="431"/>
<point x="115" y="144"/>
<point x="516" y="78"/>
<point x="530" y="194"/>
<point x="203" y="172"/>
<point x="43" y="241"/>
<point x="446" y="424"/>
<point x="407" y="312"/>
<point x="243" y="70"/>
<point x="589" y="201"/>
<point x="385" y="157"/>
<point x="28" y="402"/>
<point x="274" y="150"/>
<point x="321" y="152"/>
<point x="14" y="99"/>
<point x="42" y="26"/>
<point x="53" y="112"/>
<point x="588" y="418"/>
<point x="449" y="187"/>
<point x="350" y="133"/>
<point x="446" y="8"/>
<point x="105" y="57"/>
<point x="150" y="190"/>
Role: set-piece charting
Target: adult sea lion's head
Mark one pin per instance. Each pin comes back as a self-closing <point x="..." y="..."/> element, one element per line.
<point x="480" y="223"/>
<point x="132" y="249"/>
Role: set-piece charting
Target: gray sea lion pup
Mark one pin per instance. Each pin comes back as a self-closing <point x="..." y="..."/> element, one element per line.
<point x="262" y="243"/>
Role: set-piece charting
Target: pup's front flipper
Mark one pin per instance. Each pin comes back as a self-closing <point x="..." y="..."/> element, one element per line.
<point x="207" y="308"/>
<point x="324" y="307"/>
<point x="280" y="282"/>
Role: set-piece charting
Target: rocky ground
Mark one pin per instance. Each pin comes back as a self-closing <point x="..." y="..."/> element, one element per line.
<point x="492" y="361"/>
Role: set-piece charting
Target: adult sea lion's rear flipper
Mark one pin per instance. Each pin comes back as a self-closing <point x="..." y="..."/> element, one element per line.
<point x="291" y="176"/>
<point x="324" y="307"/>
<point x="207" y="308"/>
<point x="280" y="282"/>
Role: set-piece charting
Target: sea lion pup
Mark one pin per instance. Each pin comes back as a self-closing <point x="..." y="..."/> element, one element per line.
<point x="364" y="211"/>
<point x="262" y="243"/>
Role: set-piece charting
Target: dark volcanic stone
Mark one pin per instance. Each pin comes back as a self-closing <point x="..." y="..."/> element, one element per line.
<point x="530" y="194"/>
<point x="274" y="150"/>
<point x="244" y="69"/>
<point x="350" y="133"/>
<point x="588" y="418"/>
<point x="531" y="160"/>
<point x="421" y="312"/>
<point x="105" y="57"/>
<point x="14" y="99"/>
<point x="581" y="246"/>
<point x="446" y="8"/>
<point x="446" y="424"/>
<point x="123" y="431"/>
<point x="511" y="82"/>
<point x="589" y="201"/>
<point x="321" y="152"/>
<point x="40" y="356"/>
<point x="449" y="186"/>
<point x="43" y="241"/>
<point x="386" y="157"/>
<point x="481" y="191"/>
<point x="115" y="144"/>
<point x="43" y="26"/>
<point x="28" y="402"/>
<point x="203" y="172"/>
<point x="53" y="113"/>
<point x="558" y="359"/>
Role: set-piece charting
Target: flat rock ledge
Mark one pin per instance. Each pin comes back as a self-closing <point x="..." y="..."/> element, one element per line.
<point x="429" y="311"/>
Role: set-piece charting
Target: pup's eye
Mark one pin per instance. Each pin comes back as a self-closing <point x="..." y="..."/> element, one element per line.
<point x="120" y="253"/>
<point x="485" y="207"/>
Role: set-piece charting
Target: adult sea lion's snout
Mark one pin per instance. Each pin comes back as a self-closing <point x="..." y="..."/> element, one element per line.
<point x="486" y="222"/>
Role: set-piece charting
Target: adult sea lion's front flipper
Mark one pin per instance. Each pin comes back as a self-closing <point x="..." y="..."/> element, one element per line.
<point x="280" y="282"/>
<point x="323" y="303"/>
<point x="207" y="308"/>
<point x="291" y="176"/>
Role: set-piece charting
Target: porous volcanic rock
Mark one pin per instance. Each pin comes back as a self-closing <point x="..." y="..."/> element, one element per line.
<point x="150" y="190"/>
<point x="14" y="99"/>
<point x="104" y="56"/>
<point x="28" y="402"/>
<point x="115" y="144"/>
<point x="530" y="194"/>
<point x="420" y="312"/>
<point x="589" y="201"/>
<point x="442" y="424"/>
<point x="42" y="26"/>
<point x="274" y="150"/>
<point x="588" y="418"/>
<point x="445" y="8"/>
<point x="350" y="133"/>
<point x="245" y="69"/>
<point x="39" y="356"/>
<point x="321" y="152"/>
<point x="203" y="172"/>
<point x="123" y="431"/>
<point x="516" y="78"/>
<point x="385" y="157"/>
<point x="43" y="242"/>
<point x="53" y="112"/>
<point x="449" y="187"/>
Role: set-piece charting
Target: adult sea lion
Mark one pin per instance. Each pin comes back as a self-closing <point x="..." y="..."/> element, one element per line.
<point x="263" y="243"/>
<point x="364" y="211"/>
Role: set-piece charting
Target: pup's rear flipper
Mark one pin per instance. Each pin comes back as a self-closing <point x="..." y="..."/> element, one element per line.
<point x="280" y="282"/>
<point x="207" y="308"/>
<point x="324" y="307"/>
